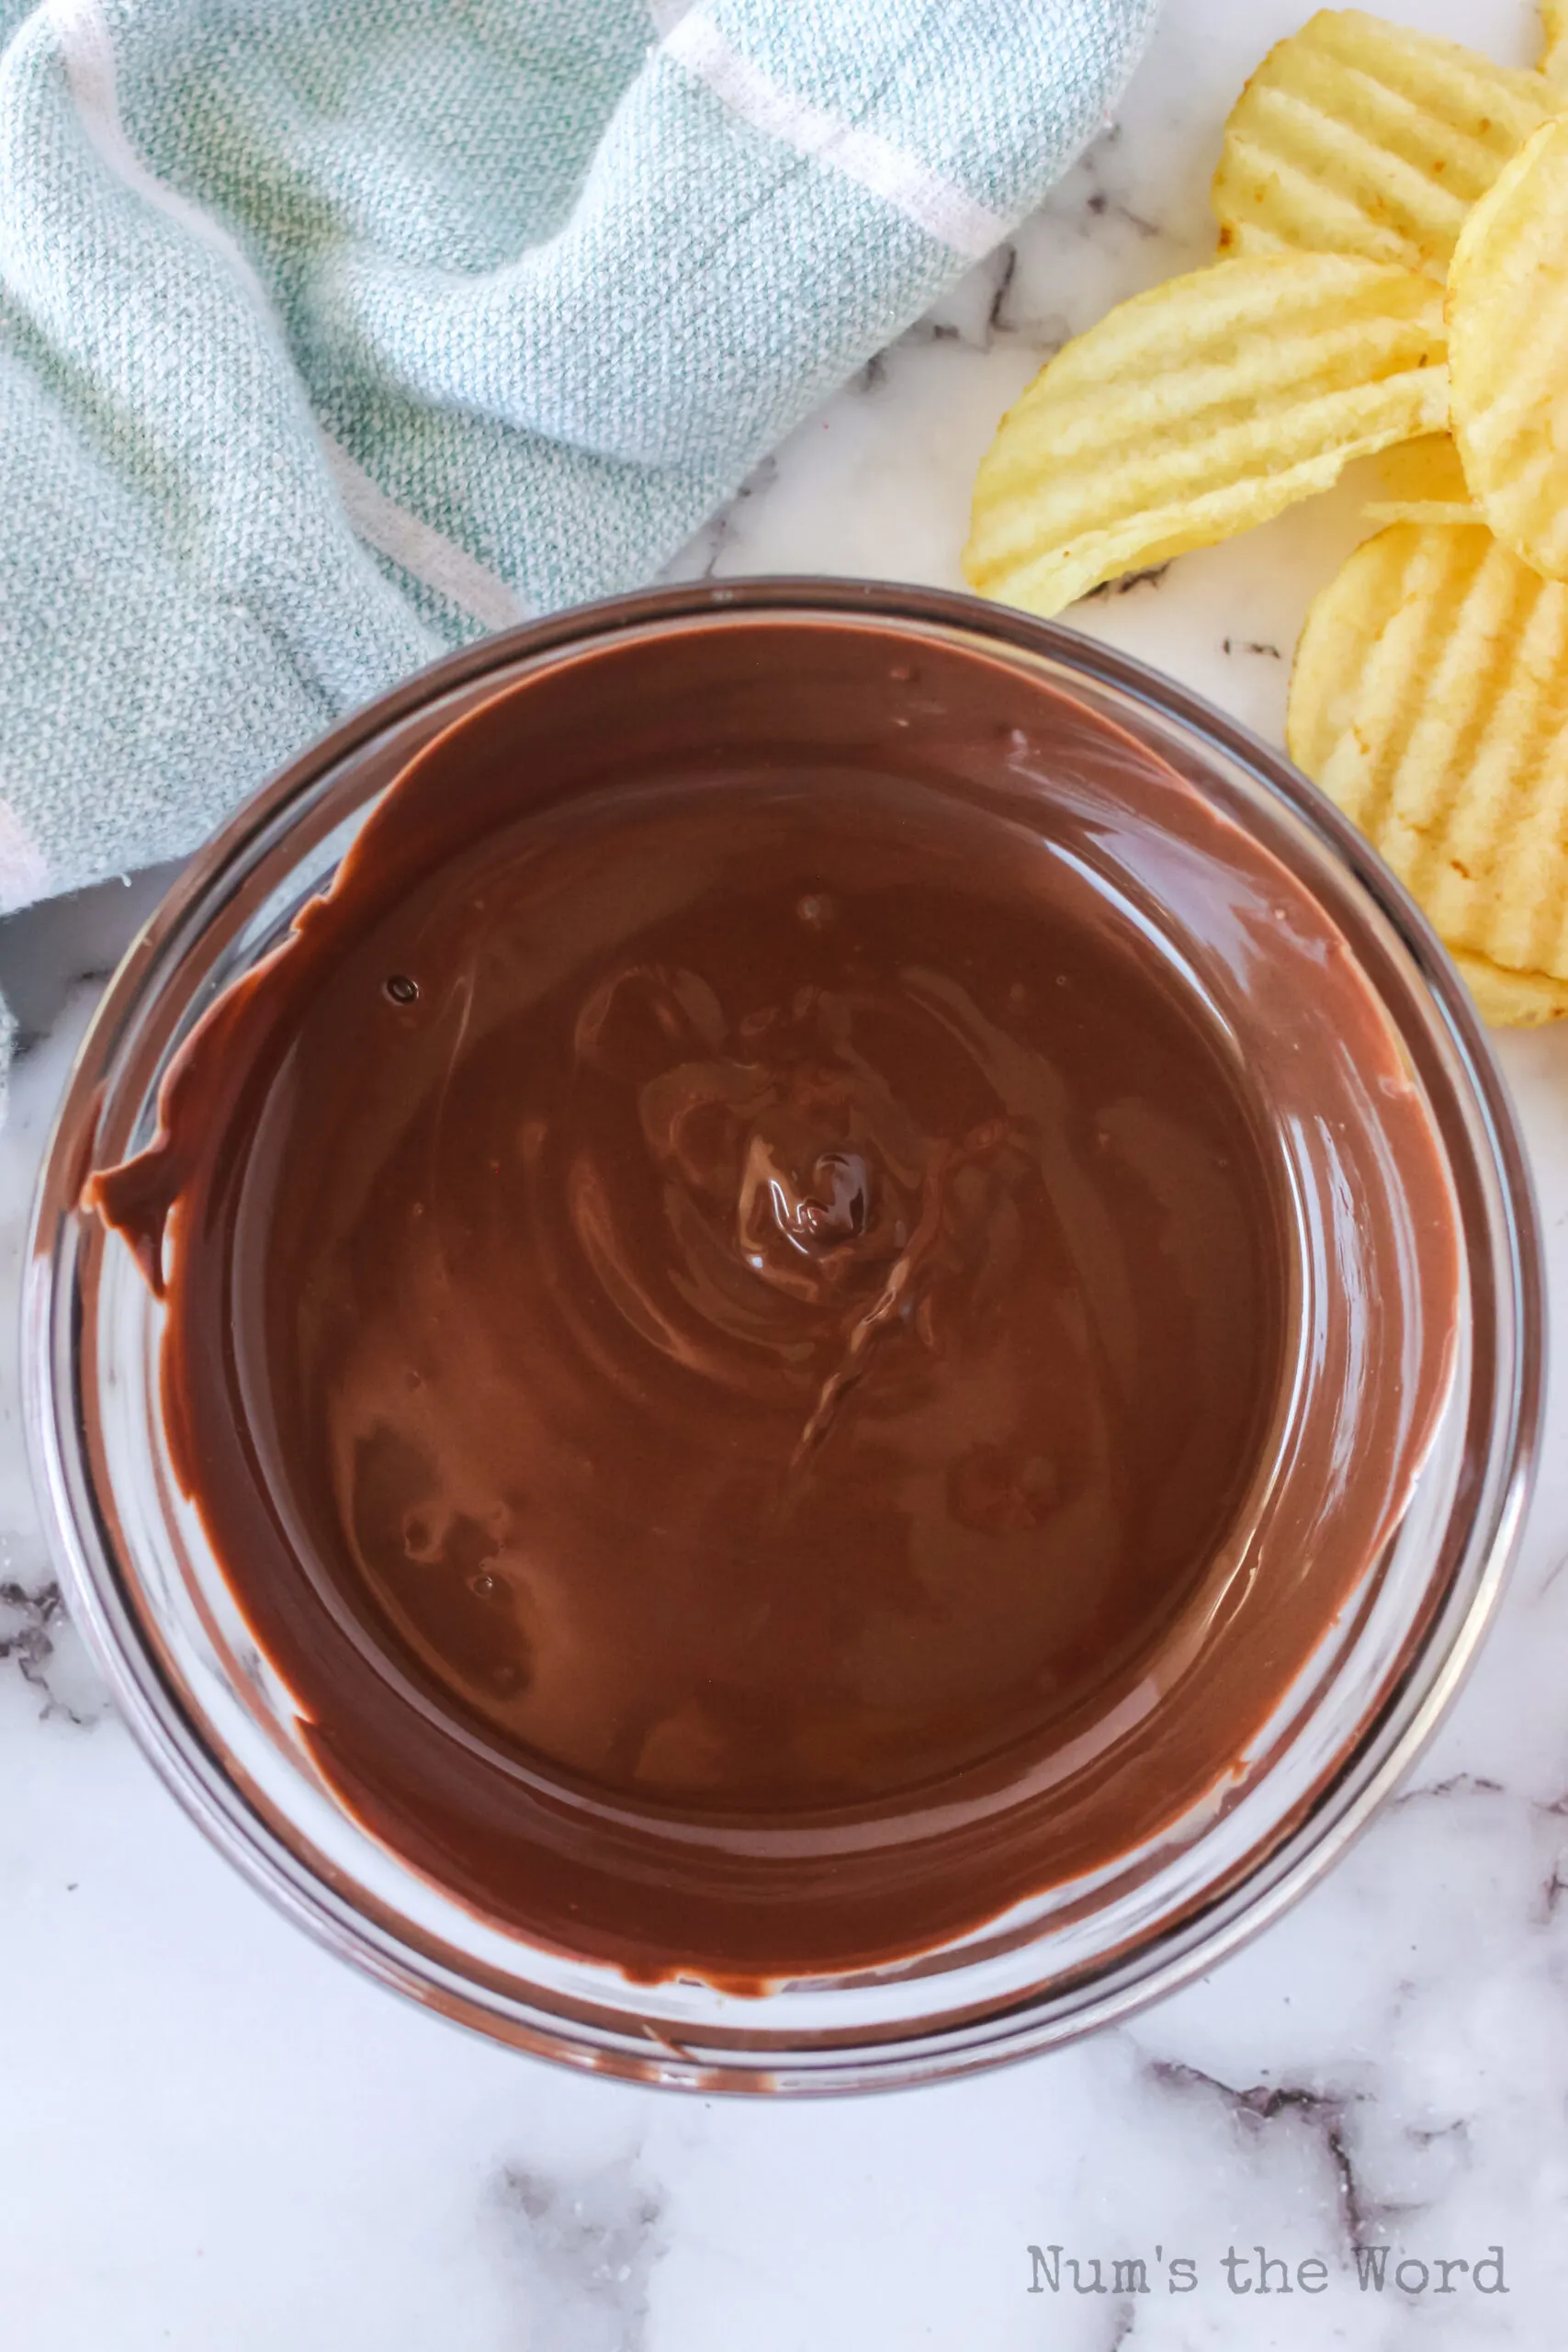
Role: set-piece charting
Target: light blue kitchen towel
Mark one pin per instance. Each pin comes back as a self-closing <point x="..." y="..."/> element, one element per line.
<point x="335" y="332"/>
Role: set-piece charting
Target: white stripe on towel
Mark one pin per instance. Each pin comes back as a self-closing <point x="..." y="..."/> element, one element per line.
<point x="942" y="210"/>
<point x="24" y="869"/>
<point x="423" y="551"/>
<point x="428" y="556"/>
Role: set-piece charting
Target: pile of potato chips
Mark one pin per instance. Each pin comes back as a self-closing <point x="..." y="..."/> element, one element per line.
<point x="1393" y="277"/>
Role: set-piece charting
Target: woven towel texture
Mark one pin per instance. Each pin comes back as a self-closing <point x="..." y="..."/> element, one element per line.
<point x="333" y="333"/>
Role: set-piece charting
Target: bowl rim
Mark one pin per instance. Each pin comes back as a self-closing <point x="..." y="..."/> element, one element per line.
<point x="201" y="1778"/>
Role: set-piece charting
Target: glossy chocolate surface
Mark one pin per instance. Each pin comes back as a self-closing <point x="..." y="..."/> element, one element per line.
<point x="735" y="1308"/>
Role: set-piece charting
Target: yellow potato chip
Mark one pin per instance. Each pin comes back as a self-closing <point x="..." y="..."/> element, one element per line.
<point x="1553" y="60"/>
<point x="1193" y="411"/>
<point x="1423" y="510"/>
<point x="1513" y="1000"/>
<point x="1357" y="137"/>
<point x="1508" y="325"/>
<point x="1429" y="698"/>
<point x="1422" y="481"/>
<point x="1426" y="469"/>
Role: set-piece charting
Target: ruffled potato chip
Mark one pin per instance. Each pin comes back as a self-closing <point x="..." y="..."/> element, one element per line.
<point x="1513" y="1000"/>
<point x="1554" y="59"/>
<point x="1423" y="510"/>
<point x="1423" y="481"/>
<point x="1357" y="137"/>
<point x="1426" y="469"/>
<point x="1509" y="329"/>
<point x="1429" y="699"/>
<point x="1196" y="410"/>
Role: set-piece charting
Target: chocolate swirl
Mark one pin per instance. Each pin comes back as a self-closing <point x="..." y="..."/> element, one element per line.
<point x="733" y="1315"/>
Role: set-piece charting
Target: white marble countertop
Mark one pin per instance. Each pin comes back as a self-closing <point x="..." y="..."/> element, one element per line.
<point x="214" y="2137"/>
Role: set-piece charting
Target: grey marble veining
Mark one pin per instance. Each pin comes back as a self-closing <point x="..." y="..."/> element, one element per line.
<point x="587" y="2247"/>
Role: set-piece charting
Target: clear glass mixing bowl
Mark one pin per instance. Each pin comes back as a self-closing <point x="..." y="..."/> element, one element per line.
<point x="144" y="1587"/>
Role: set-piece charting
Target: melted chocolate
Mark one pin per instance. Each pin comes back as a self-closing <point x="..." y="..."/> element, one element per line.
<point x="735" y="1316"/>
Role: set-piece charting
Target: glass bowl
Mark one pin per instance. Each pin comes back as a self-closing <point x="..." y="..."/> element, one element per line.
<point x="217" y="1721"/>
